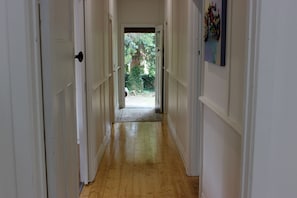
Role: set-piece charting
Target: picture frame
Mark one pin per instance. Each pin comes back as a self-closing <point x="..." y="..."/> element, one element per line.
<point x="215" y="25"/>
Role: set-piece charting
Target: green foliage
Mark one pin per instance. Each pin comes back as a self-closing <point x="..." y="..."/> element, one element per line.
<point x="148" y="82"/>
<point x="135" y="81"/>
<point x="142" y="47"/>
<point x="140" y="52"/>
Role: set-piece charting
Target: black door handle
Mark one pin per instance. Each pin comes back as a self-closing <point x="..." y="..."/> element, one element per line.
<point x="80" y="56"/>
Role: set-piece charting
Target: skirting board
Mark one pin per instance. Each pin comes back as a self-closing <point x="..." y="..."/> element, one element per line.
<point x="177" y="142"/>
<point x="100" y="153"/>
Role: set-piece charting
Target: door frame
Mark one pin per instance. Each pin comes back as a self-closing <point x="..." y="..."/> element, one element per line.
<point x="111" y="68"/>
<point x="38" y="90"/>
<point x="165" y="66"/>
<point x="159" y="79"/>
<point x="24" y="24"/>
<point x="122" y="61"/>
<point x="250" y="95"/>
<point x="195" y="73"/>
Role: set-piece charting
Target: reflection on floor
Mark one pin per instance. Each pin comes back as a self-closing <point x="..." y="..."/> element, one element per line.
<point x="138" y="115"/>
<point x="141" y="160"/>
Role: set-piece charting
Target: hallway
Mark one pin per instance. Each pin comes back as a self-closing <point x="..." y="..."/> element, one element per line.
<point x="141" y="160"/>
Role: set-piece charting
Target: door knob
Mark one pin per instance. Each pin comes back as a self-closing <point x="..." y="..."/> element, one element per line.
<point x="80" y="56"/>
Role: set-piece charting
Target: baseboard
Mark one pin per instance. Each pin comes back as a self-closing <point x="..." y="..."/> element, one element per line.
<point x="100" y="154"/>
<point x="171" y="128"/>
<point x="177" y="142"/>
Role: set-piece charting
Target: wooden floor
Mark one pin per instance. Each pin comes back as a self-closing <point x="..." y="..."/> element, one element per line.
<point x="141" y="161"/>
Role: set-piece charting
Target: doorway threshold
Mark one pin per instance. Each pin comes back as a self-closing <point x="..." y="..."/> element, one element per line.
<point x="138" y="114"/>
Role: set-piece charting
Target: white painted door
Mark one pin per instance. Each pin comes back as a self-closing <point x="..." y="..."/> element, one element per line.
<point x="80" y="79"/>
<point x="59" y="98"/>
<point x="159" y="69"/>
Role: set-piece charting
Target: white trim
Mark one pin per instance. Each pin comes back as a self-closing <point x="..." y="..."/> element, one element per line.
<point x="228" y="53"/>
<point x="165" y="58"/>
<point x="99" y="156"/>
<point x="98" y="84"/>
<point x="137" y="25"/>
<point x="194" y="73"/>
<point x="39" y="102"/>
<point x="201" y="76"/>
<point x="174" y="77"/>
<point x="250" y="97"/>
<point x="171" y="127"/>
<point x="220" y="113"/>
<point x="95" y="155"/>
<point x="26" y="97"/>
<point x="178" y="144"/>
<point x="201" y="128"/>
<point x="159" y="78"/>
<point x="121" y="70"/>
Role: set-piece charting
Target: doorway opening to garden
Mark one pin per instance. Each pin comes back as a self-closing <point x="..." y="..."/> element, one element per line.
<point x="142" y="74"/>
<point x="140" y="67"/>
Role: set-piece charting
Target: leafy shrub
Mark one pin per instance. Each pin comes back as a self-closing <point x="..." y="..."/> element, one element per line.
<point x="134" y="81"/>
<point x="148" y="82"/>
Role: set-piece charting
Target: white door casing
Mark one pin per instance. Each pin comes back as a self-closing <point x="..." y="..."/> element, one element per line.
<point x="159" y="69"/>
<point x="195" y="76"/>
<point x="110" y="71"/>
<point x="21" y="119"/>
<point x="59" y="98"/>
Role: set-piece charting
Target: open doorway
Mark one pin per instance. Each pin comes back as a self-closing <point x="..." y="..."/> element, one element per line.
<point x="140" y="68"/>
<point x="142" y="74"/>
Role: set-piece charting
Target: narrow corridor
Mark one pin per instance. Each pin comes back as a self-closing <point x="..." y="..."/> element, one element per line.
<point x="141" y="160"/>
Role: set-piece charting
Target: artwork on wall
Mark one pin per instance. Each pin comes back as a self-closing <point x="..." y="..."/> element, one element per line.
<point x="215" y="31"/>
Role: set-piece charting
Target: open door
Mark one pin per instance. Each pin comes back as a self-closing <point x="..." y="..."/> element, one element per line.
<point x="80" y="79"/>
<point x="159" y="70"/>
<point x="59" y="98"/>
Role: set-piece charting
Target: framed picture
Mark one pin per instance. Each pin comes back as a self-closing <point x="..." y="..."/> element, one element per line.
<point x="215" y="31"/>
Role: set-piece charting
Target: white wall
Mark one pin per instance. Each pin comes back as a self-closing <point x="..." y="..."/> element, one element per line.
<point x="98" y="83"/>
<point x="178" y="52"/>
<point x="21" y="151"/>
<point x="141" y="12"/>
<point x="222" y="122"/>
<point x="221" y="158"/>
<point x="274" y="162"/>
<point x="7" y="171"/>
<point x="178" y="84"/>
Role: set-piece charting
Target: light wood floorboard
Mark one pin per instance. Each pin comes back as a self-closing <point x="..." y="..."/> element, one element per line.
<point x="141" y="160"/>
